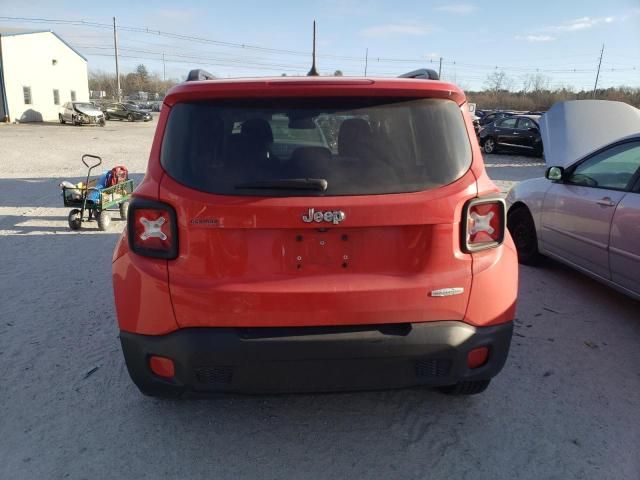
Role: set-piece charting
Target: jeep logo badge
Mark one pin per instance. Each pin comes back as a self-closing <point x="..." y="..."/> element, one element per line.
<point x="334" y="217"/>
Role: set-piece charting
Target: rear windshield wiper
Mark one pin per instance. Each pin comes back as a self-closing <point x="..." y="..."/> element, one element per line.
<point x="287" y="184"/>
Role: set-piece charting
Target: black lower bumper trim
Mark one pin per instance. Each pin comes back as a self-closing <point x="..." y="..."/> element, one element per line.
<point x="314" y="359"/>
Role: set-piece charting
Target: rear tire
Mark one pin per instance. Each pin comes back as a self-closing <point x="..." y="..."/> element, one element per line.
<point x="161" y="391"/>
<point x="538" y="151"/>
<point x="74" y="219"/>
<point x="106" y="116"/>
<point x="124" y="210"/>
<point x="130" y="117"/>
<point x="104" y="220"/>
<point x="62" y="121"/>
<point x="523" y="231"/>
<point x="489" y="145"/>
<point x="466" y="388"/>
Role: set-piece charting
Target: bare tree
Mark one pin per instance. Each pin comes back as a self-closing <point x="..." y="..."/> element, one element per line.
<point x="498" y="81"/>
<point x="526" y="84"/>
<point x="130" y="83"/>
<point x="540" y="82"/>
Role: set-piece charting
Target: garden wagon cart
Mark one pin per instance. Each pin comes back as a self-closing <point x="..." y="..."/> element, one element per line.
<point x="95" y="200"/>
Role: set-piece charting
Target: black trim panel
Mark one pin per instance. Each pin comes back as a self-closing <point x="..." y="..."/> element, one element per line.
<point x="314" y="359"/>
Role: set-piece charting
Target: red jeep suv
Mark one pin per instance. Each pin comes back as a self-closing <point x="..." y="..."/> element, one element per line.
<point x="314" y="234"/>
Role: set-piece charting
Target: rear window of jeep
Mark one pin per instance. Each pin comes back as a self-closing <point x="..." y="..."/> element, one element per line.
<point x="271" y="147"/>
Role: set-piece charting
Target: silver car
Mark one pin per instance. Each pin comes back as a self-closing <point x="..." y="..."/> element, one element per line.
<point x="586" y="211"/>
<point x="81" y="113"/>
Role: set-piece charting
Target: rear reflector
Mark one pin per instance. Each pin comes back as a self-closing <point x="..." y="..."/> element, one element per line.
<point x="152" y="229"/>
<point x="162" y="366"/>
<point x="478" y="357"/>
<point x="483" y="223"/>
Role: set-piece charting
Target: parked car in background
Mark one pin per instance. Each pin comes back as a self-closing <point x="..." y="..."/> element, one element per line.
<point x="586" y="212"/>
<point x="81" y="113"/>
<point x="492" y="117"/>
<point x="483" y="118"/>
<point x="125" y="111"/>
<point x="260" y="257"/>
<point x="520" y="133"/>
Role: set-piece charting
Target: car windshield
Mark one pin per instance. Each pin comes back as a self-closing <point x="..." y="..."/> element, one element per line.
<point x="349" y="146"/>
<point x="84" y="105"/>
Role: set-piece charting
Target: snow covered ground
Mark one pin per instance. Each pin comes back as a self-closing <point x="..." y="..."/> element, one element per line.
<point x="565" y="406"/>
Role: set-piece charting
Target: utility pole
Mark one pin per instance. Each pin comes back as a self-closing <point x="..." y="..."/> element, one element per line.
<point x="440" y="69"/>
<point x="115" y="47"/>
<point x="598" y="72"/>
<point x="164" y="69"/>
<point x="366" y="61"/>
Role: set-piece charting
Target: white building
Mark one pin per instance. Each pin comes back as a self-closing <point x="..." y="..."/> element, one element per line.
<point x="39" y="72"/>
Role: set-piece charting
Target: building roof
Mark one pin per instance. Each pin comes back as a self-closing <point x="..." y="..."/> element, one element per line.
<point x="13" y="33"/>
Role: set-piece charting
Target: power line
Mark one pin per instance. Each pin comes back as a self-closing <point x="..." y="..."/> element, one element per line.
<point x="264" y="60"/>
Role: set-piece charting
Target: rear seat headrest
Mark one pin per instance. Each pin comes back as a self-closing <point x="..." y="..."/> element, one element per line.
<point x="354" y="132"/>
<point x="258" y="129"/>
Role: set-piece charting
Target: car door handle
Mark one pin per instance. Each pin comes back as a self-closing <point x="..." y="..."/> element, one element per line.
<point x="606" y="202"/>
<point x="515" y="133"/>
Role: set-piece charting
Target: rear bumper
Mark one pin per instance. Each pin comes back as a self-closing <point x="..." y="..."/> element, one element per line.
<point x="314" y="359"/>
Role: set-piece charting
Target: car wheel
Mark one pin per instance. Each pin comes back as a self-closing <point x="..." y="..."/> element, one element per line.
<point x="74" y="219"/>
<point x="104" y="220"/>
<point x="523" y="231"/>
<point x="124" y="210"/>
<point x="466" y="388"/>
<point x="161" y="391"/>
<point x="106" y="116"/>
<point x="489" y="145"/>
<point x="538" y="151"/>
<point x="61" y="119"/>
<point x="130" y="117"/>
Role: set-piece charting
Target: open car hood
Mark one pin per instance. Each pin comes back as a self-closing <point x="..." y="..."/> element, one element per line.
<point x="572" y="130"/>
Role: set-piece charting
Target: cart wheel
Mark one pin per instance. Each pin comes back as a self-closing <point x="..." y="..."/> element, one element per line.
<point x="124" y="210"/>
<point x="104" y="220"/>
<point x="75" y="220"/>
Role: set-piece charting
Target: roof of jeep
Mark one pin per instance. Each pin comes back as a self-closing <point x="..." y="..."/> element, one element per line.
<point x="313" y="87"/>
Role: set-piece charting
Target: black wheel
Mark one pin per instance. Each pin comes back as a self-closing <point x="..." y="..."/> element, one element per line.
<point x="104" y="220"/>
<point x="161" y="391"/>
<point x="466" y="388"/>
<point x="124" y="210"/>
<point x="61" y="118"/>
<point x="106" y="116"/>
<point x="74" y="219"/>
<point x="489" y="145"/>
<point x="523" y="231"/>
<point x="537" y="150"/>
<point x="130" y="117"/>
<point x="102" y="122"/>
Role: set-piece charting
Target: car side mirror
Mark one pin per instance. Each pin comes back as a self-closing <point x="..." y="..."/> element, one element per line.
<point x="555" y="174"/>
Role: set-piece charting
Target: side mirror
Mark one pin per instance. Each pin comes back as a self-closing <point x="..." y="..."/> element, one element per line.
<point x="555" y="174"/>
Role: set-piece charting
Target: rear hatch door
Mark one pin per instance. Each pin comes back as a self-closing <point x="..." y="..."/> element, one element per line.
<point x="295" y="213"/>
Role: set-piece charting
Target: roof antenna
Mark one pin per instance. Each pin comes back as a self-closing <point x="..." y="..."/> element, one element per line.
<point x="313" y="72"/>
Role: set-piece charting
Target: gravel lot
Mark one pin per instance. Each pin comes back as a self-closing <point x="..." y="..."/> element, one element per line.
<point x="565" y="407"/>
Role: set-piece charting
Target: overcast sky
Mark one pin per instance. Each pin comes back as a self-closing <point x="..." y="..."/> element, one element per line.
<point x="560" y="39"/>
